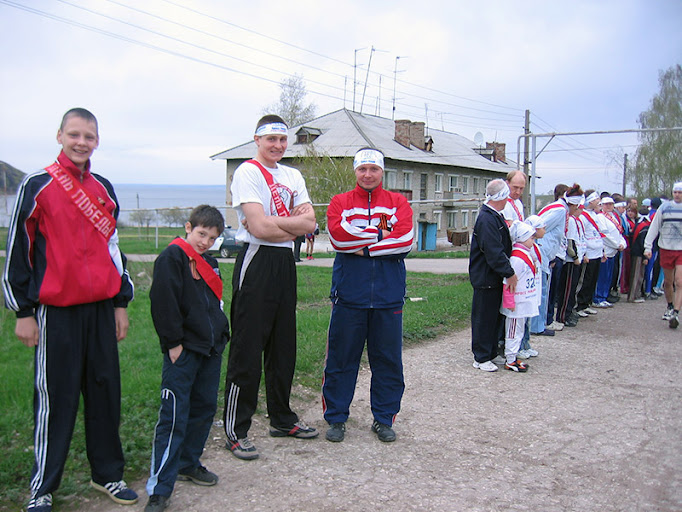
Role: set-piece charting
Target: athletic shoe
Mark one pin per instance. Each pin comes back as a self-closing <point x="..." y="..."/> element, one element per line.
<point x="583" y="314"/>
<point x="533" y="352"/>
<point x="499" y="360"/>
<point x="674" y="321"/>
<point x="556" y="326"/>
<point x="640" y="300"/>
<point x="612" y="298"/>
<point x="199" y="475"/>
<point x="572" y="322"/>
<point x="546" y="332"/>
<point x="336" y="432"/>
<point x="384" y="432"/>
<point x="603" y="304"/>
<point x="658" y="291"/>
<point x="300" y="430"/>
<point x="590" y="311"/>
<point x="488" y="366"/>
<point x="651" y="296"/>
<point x="157" y="503"/>
<point x="523" y="354"/>
<point x="516" y="366"/>
<point x="668" y="314"/>
<point x="40" y="504"/>
<point x="243" y="449"/>
<point x="117" y="491"/>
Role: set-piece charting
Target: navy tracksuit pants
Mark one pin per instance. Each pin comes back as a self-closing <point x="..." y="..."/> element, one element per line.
<point x="349" y="328"/>
<point x="77" y="353"/>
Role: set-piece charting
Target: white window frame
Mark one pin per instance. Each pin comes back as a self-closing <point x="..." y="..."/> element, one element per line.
<point x="437" y="217"/>
<point x="407" y="180"/>
<point x="453" y="181"/>
<point x="390" y="179"/>
<point x="452" y="220"/>
<point x="465" y="219"/>
<point x="465" y="184"/>
<point x="439" y="182"/>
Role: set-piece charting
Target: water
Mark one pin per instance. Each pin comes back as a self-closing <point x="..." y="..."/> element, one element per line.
<point x="147" y="196"/>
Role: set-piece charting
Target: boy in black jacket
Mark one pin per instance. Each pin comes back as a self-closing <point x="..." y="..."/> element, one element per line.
<point x="186" y="304"/>
<point x="638" y="262"/>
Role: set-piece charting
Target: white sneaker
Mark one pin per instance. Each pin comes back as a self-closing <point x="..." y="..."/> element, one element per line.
<point x="523" y="354"/>
<point x="590" y="311"/>
<point x="499" y="360"/>
<point x="668" y="314"/>
<point x="533" y="352"/>
<point x="639" y="301"/>
<point x="583" y="314"/>
<point x="555" y="326"/>
<point x="603" y="304"/>
<point x="488" y="366"/>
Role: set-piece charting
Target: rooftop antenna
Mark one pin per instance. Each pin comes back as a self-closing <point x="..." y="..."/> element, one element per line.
<point x="395" y="74"/>
<point x="369" y="64"/>
<point x="355" y="69"/>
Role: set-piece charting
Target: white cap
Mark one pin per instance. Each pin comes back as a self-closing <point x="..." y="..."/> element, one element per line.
<point x="535" y="221"/>
<point x="520" y="231"/>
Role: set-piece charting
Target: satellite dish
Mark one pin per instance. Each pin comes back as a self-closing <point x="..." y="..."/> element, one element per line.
<point x="478" y="139"/>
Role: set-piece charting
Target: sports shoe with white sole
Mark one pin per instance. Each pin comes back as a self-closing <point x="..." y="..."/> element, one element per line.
<point x="488" y="366"/>
<point x="668" y="314"/>
<point x="523" y="354"/>
<point x="299" y="430"/>
<point x="533" y="352"/>
<point x="119" y="492"/>
<point x="555" y="326"/>
<point x="674" y="321"/>
<point x="243" y="449"/>
<point x="499" y="360"/>
<point x="583" y="314"/>
<point x="590" y="311"/>
<point x="516" y="366"/>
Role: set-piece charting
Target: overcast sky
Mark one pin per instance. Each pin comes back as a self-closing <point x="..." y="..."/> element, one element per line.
<point x="173" y="85"/>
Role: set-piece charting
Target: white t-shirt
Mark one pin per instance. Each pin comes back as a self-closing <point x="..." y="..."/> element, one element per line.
<point x="513" y="210"/>
<point x="249" y="186"/>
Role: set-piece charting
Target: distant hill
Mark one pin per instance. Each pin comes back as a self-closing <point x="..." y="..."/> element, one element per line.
<point x="14" y="177"/>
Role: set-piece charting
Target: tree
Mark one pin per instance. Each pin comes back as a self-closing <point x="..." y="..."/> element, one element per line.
<point x="658" y="162"/>
<point x="174" y="216"/>
<point x="290" y="106"/>
<point x="143" y="218"/>
<point x="325" y="177"/>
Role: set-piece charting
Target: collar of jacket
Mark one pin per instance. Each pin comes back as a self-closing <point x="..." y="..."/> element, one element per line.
<point x="364" y="193"/>
<point x="71" y="168"/>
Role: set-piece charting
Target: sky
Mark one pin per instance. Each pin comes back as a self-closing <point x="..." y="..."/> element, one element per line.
<point x="173" y="82"/>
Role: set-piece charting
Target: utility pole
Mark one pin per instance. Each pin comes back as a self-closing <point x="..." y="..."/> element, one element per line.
<point x="355" y="70"/>
<point x="625" y="172"/>
<point x="526" y="159"/>
<point x="395" y="76"/>
<point x="369" y="64"/>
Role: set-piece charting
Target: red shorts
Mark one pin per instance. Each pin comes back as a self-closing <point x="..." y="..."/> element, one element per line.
<point x="670" y="259"/>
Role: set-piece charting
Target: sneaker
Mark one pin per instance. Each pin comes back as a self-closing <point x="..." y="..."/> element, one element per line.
<point x="651" y="296"/>
<point x="385" y="433"/>
<point x="488" y="366"/>
<point x="571" y="322"/>
<point x="668" y="314"/>
<point x="603" y="304"/>
<point x="639" y="300"/>
<point x="199" y="475"/>
<point x="590" y="311"/>
<point x="546" y="332"/>
<point x="533" y="352"/>
<point x="117" y="491"/>
<point x="336" y="432"/>
<point x="516" y="366"/>
<point x="40" y="504"/>
<point x="243" y="449"/>
<point x="674" y="321"/>
<point x="583" y="313"/>
<point x="499" y="360"/>
<point x="523" y="354"/>
<point x="157" y="503"/>
<point x="555" y="326"/>
<point x="300" y="430"/>
<point x="612" y="298"/>
<point x="574" y="316"/>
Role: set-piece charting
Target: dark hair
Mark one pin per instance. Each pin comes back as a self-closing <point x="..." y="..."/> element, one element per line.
<point x="208" y="217"/>
<point x="589" y="191"/>
<point x="79" y="112"/>
<point x="559" y="190"/>
<point x="644" y="211"/>
<point x="575" y="190"/>
<point x="270" y="118"/>
<point x="617" y="198"/>
<point x="604" y="194"/>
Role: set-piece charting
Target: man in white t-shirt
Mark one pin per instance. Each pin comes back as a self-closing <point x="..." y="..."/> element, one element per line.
<point x="513" y="209"/>
<point x="273" y="208"/>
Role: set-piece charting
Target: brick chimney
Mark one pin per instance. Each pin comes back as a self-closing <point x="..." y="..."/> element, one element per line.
<point x="402" y="132"/>
<point x="499" y="151"/>
<point x="417" y="135"/>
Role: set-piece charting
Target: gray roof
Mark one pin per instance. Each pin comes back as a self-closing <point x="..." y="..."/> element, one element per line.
<point x="344" y="132"/>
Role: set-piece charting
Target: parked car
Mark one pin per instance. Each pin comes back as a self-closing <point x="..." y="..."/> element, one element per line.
<point x="225" y="244"/>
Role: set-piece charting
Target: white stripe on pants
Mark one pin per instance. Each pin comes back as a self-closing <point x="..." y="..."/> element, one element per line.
<point x="514" y="329"/>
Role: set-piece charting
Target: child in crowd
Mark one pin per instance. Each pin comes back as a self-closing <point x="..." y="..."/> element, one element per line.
<point x="524" y="302"/>
<point x="638" y="262"/>
<point x="187" y="310"/>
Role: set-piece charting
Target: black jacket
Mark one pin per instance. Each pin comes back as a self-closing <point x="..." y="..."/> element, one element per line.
<point x="490" y="250"/>
<point x="185" y="310"/>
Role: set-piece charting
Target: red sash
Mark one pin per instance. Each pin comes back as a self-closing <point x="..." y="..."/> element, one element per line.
<point x="615" y="222"/>
<point x="102" y="221"/>
<point x="640" y="225"/>
<point x="513" y="203"/>
<point x="205" y="270"/>
<point x="279" y="204"/>
<point x="537" y="253"/>
<point x="591" y="221"/>
<point x="552" y="207"/>
<point x="524" y="256"/>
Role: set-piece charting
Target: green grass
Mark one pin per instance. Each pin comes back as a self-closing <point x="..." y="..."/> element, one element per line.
<point x="445" y="306"/>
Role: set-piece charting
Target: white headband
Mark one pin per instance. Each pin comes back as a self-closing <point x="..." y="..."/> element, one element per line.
<point x="677" y="187"/>
<point x="607" y="200"/>
<point x="499" y="196"/>
<point x="535" y="221"/>
<point x="622" y="204"/>
<point x="574" y="199"/>
<point x="520" y="231"/>
<point x="368" y="156"/>
<point x="272" y="129"/>
<point x="591" y="197"/>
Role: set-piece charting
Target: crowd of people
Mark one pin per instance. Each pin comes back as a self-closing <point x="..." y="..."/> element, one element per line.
<point x="581" y="253"/>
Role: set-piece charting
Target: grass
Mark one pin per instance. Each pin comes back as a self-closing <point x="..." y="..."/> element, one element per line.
<point x="445" y="306"/>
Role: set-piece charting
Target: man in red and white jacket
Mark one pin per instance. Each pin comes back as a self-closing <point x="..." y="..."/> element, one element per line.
<point x="371" y="230"/>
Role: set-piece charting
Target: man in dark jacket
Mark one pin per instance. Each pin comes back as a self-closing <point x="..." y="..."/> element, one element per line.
<point x="488" y="265"/>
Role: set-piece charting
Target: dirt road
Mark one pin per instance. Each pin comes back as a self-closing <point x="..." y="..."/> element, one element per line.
<point x="595" y="425"/>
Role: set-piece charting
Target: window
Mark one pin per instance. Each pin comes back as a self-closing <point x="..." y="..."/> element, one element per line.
<point x="476" y="185"/>
<point x="436" y="219"/>
<point x="407" y="180"/>
<point x="465" y="219"/>
<point x="465" y="184"/>
<point x="452" y="183"/>
<point x="423" y="182"/>
<point x="439" y="182"/>
<point x="474" y="214"/>
<point x="390" y="179"/>
<point x="452" y="220"/>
